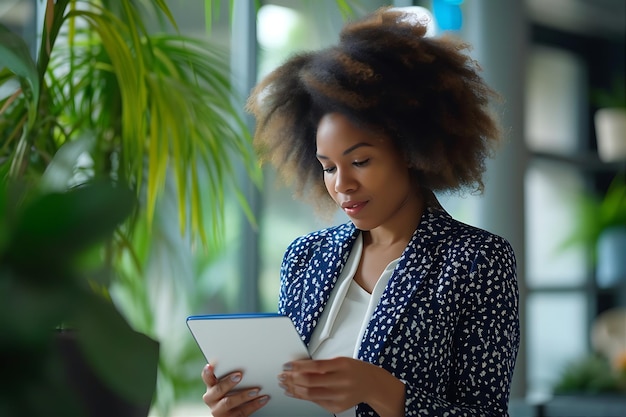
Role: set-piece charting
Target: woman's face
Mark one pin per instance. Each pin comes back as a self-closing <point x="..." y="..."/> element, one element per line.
<point x="364" y="173"/>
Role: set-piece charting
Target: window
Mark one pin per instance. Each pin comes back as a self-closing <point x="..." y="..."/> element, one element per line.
<point x="562" y="296"/>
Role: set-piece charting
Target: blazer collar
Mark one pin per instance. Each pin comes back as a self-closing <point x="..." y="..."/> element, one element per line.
<point x="413" y="265"/>
<point x="331" y="256"/>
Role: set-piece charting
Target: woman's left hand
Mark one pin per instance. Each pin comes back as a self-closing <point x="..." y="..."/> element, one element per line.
<point x="340" y="383"/>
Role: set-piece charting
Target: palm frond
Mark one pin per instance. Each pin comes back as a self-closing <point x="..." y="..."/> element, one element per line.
<point x="175" y="103"/>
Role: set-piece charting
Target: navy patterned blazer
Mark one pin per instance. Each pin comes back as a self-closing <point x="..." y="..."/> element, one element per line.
<point x="447" y="323"/>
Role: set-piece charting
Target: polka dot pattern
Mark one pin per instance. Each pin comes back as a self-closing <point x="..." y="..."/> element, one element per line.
<point x="447" y="323"/>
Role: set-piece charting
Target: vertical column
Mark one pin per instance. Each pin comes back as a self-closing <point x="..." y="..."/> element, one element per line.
<point x="244" y="72"/>
<point x="37" y="25"/>
<point x="498" y="31"/>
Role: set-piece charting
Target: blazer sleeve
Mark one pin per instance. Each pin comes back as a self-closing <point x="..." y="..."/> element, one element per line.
<point x="485" y="344"/>
<point x="287" y="270"/>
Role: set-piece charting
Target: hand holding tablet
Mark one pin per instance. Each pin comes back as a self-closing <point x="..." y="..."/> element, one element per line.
<point x="257" y="345"/>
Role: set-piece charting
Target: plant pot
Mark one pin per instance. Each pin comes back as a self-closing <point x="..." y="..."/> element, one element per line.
<point x="610" y="124"/>
<point x="611" y="266"/>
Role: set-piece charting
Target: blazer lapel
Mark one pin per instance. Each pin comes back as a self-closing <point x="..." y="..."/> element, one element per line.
<point x="319" y="282"/>
<point x="407" y="278"/>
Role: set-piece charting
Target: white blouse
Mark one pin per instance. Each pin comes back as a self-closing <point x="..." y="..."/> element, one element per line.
<point x="347" y="314"/>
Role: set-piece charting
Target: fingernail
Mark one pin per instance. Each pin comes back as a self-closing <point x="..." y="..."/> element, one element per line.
<point x="282" y="377"/>
<point x="235" y="377"/>
<point x="288" y="394"/>
<point x="263" y="400"/>
<point x="253" y="393"/>
<point x="287" y="367"/>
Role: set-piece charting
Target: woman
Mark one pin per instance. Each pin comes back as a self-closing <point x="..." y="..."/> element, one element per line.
<point x="405" y="310"/>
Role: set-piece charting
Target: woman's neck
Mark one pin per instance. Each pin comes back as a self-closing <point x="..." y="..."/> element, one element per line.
<point x="399" y="229"/>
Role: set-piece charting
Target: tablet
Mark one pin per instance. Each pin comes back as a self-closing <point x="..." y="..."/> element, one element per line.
<point x="258" y="345"/>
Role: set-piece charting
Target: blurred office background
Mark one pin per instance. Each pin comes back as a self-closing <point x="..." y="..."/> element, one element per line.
<point x="547" y="58"/>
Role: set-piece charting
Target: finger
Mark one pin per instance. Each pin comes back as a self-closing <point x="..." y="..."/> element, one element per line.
<point x="242" y="403"/>
<point x="314" y="373"/>
<point x="304" y="365"/>
<point x="305" y="379"/>
<point x="253" y="405"/>
<point x="310" y="365"/>
<point x="208" y="375"/>
<point x="221" y="389"/>
<point x="307" y="387"/>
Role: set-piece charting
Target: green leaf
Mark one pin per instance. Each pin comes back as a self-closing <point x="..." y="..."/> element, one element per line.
<point x="60" y="226"/>
<point x="167" y="12"/>
<point x="345" y="8"/>
<point x="211" y="9"/>
<point x="612" y="209"/>
<point x="15" y="55"/>
<point x="588" y="375"/>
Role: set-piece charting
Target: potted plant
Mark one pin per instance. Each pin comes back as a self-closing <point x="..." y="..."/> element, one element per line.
<point x="595" y="384"/>
<point x="108" y="100"/>
<point x="591" y="375"/>
<point x="601" y="229"/>
<point x="611" y="241"/>
<point x="50" y="249"/>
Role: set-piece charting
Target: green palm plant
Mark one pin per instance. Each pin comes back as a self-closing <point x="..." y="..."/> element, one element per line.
<point x="107" y="99"/>
<point x="135" y="106"/>
<point x="597" y="214"/>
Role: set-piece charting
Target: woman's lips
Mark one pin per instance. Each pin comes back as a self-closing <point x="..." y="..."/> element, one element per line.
<point x="351" y="208"/>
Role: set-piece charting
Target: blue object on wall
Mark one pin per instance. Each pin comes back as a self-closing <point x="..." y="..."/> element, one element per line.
<point x="448" y="14"/>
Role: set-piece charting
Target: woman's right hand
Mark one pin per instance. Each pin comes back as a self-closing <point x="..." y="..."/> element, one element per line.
<point x="226" y="402"/>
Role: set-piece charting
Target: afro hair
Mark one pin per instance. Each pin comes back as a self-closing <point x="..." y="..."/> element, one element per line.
<point x="425" y="93"/>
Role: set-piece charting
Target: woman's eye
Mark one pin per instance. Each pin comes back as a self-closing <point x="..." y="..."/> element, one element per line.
<point x="329" y="170"/>
<point x="360" y="163"/>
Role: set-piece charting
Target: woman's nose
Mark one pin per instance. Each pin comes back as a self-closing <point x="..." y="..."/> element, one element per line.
<point x="344" y="182"/>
